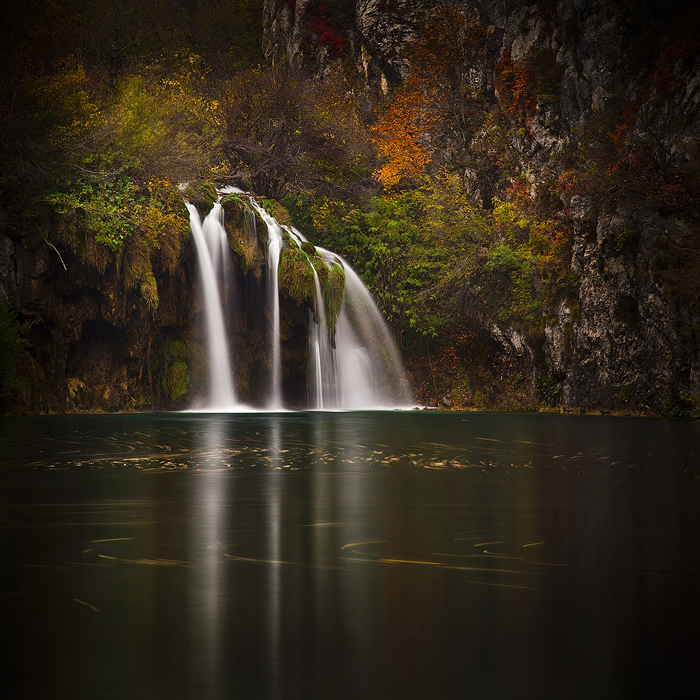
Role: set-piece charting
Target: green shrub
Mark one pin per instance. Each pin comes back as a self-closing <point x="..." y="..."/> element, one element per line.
<point x="548" y="390"/>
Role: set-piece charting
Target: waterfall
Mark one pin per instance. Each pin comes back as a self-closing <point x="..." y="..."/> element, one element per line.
<point x="274" y="247"/>
<point x="369" y="367"/>
<point x="317" y="331"/>
<point x="353" y="362"/>
<point x="214" y="259"/>
<point x="363" y="368"/>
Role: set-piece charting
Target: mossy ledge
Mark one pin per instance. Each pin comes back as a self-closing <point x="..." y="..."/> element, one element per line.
<point x="296" y="280"/>
<point x="243" y="226"/>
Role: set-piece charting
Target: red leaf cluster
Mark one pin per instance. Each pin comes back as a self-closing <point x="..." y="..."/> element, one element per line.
<point x="327" y="34"/>
<point x="514" y="86"/>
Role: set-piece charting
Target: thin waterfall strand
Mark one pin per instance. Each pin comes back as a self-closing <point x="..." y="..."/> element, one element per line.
<point x="212" y="253"/>
<point x="274" y="248"/>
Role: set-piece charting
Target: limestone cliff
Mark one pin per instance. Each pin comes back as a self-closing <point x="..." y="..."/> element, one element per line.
<point x="629" y="338"/>
<point x="99" y="339"/>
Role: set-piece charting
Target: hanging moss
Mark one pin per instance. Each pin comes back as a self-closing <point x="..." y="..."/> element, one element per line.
<point x="296" y="275"/>
<point x="321" y="270"/>
<point x="136" y="270"/>
<point x="333" y="295"/>
<point x="149" y="291"/>
<point x="242" y="225"/>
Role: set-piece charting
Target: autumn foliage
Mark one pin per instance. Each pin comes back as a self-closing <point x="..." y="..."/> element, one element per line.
<point x="436" y="96"/>
<point x="514" y="86"/>
<point x="398" y="138"/>
<point x="328" y="34"/>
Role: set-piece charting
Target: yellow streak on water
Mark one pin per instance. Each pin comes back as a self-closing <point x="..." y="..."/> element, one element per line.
<point x="357" y="544"/>
<point x="149" y="562"/>
<point x="287" y="563"/>
<point x="483" y="544"/>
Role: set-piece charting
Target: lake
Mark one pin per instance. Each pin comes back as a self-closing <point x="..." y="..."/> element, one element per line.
<point x="348" y="555"/>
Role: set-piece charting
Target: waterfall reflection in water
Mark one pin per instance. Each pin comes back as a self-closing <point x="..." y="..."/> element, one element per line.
<point x="348" y="555"/>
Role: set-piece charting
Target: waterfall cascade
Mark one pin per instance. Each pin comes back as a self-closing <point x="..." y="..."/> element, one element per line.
<point x="214" y="259"/>
<point x="351" y="359"/>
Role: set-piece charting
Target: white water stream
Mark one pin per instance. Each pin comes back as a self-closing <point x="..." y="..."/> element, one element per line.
<point x="214" y="259"/>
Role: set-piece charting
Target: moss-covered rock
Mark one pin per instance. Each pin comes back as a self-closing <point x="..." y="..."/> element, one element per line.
<point x="296" y="280"/>
<point x="309" y="249"/>
<point x="178" y="372"/>
<point x="333" y="295"/>
<point x="296" y="276"/>
<point x="276" y="210"/>
<point x="176" y="381"/>
<point x="202" y="194"/>
<point x="242" y="224"/>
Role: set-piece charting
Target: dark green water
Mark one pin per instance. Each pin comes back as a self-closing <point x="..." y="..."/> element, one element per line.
<point x="348" y="555"/>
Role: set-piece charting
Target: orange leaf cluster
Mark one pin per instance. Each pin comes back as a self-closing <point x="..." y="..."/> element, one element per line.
<point x="617" y="135"/>
<point x="398" y="139"/>
<point x="436" y="90"/>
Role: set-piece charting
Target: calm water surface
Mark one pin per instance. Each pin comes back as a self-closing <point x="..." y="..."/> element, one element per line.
<point x="348" y="555"/>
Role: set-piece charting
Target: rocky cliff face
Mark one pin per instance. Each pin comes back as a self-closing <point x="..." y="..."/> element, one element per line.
<point x="96" y="342"/>
<point x="629" y="340"/>
<point x="92" y="340"/>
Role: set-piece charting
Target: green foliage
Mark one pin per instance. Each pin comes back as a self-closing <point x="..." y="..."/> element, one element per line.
<point x="502" y="258"/>
<point x="413" y="251"/>
<point x="12" y="342"/>
<point x="178" y="372"/>
<point x="110" y="209"/>
<point x="674" y="411"/>
<point x="379" y="243"/>
<point x="158" y="126"/>
<point x="548" y="390"/>
<point x="527" y="269"/>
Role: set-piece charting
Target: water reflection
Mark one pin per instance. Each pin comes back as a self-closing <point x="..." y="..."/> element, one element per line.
<point x="273" y="493"/>
<point x="211" y="495"/>
<point x="348" y="555"/>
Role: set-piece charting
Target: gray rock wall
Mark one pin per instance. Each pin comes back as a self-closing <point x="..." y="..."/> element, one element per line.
<point x="627" y="341"/>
